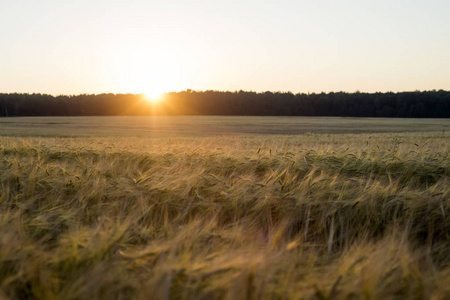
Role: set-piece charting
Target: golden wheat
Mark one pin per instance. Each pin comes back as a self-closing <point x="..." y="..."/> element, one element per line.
<point x="314" y="216"/>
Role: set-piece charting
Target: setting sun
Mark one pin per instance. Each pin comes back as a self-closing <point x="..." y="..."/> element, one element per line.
<point x="153" y="96"/>
<point x="148" y="71"/>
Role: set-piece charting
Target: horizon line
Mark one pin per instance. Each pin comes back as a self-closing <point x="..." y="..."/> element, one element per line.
<point x="229" y="91"/>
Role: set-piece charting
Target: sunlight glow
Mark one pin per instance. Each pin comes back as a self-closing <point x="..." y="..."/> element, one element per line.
<point x="153" y="96"/>
<point x="149" y="71"/>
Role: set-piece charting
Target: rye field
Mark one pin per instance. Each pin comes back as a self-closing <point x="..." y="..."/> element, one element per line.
<point x="224" y="208"/>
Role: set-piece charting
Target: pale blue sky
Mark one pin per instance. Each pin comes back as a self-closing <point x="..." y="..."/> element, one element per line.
<point x="73" y="47"/>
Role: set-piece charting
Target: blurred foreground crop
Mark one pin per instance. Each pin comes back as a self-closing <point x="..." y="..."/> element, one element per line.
<point x="240" y="217"/>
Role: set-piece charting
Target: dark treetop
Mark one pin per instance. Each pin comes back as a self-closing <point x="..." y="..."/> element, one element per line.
<point x="427" y="104"/>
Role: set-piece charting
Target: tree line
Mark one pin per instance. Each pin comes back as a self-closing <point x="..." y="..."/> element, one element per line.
<point x="418" y="104"/>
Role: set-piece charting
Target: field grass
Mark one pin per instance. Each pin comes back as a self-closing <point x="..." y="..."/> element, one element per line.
<point x="312" y="216"/>
<point x="163" y="126"/>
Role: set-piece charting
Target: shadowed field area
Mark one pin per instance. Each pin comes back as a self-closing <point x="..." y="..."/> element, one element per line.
<point x="317" y="216"/>
<point x="162" y="126"/>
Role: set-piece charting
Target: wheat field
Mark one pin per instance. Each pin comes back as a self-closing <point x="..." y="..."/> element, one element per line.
<point x="311" y="216"/>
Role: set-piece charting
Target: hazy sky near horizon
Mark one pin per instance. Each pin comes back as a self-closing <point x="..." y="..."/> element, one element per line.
<point x="96" y="46"/>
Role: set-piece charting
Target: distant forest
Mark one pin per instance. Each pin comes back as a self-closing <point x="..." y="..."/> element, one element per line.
<point x="426" y="104"/>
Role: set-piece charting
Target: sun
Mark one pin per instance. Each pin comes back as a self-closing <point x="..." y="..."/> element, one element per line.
<point x="153" y="96"/>
<point x="152" y="73"/>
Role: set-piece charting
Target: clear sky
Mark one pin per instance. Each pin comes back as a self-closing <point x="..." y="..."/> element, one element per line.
<point x="96" y="46"/>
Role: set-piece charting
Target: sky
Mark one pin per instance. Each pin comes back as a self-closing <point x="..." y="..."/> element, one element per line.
<point x="98" y="46"/>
